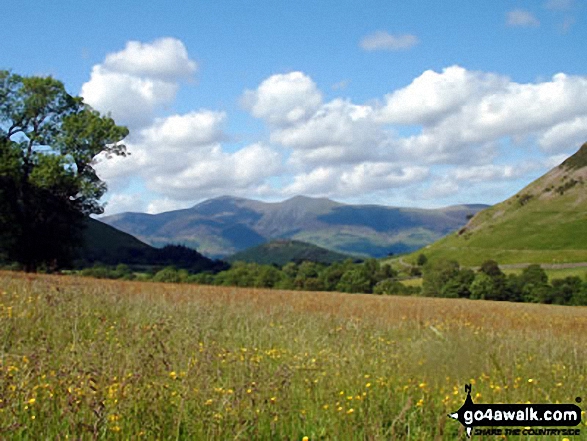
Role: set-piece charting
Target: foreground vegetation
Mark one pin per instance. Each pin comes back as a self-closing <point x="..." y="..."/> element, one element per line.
<point x="95" y="359"/>
<point x="441" y="278"/>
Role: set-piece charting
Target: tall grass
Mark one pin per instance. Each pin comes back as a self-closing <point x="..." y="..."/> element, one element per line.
<point x="89" y="359"/>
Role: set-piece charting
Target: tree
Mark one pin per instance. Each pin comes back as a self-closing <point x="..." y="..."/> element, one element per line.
<point x="422" y="259"/>
<point x="355" y="280"/>
<point x="491" y="268"/>
<point x="563" y="290"/>
<point x="48" y="144"/>
<point x="437" y="274"/>
<point x="459" y="286"/>
<point x="498" y="290"/>
<point x="534" y="281"/>
<point x="482" y="287"/>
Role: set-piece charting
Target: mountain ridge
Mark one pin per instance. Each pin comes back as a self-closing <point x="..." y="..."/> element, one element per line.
<point x="224" y="225"/>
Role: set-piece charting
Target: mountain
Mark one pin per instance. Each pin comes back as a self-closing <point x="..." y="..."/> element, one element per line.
<point x="105" y="244"/>
<point x="546" y="222"/>
<point x="226" y="225"/>
<point x="281" y="251"/>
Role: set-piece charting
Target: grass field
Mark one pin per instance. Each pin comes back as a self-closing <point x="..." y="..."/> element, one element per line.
<point x="94" y="359"/>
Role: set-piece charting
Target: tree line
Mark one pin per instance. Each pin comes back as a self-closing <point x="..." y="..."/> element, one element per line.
<point x="370" y="276"/>
<point x="440" y="278"/>
<point x="445" y="278"/>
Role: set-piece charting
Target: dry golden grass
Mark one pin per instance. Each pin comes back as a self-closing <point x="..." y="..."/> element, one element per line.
<point x="84" y="358"/>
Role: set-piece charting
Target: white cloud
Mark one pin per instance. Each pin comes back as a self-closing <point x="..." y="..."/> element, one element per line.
<point x="122" y="202"/>
<point x="192" y="129"/>
<point x="554" y="161"/>
<point x="212" y="171"/>
<point x="433" y="95"/>
<point x="570" y="133"/>
<point x="382" y="40"/>
<point x="460" y="119"/>
<point x="488" y="172"/>
<point x="129" y="99"/>
<point x="166" y="204"/>
<point x="438" y="189"/>
<point x="338" y="132"/>
<point x="284" y="99"/>
<point x="354" y="180"/>
<point x="181" y="158"/>
<point x="165" y="58"/>
<point x="133" y="83"/>
<point x="470" y="110"/>
<point x="457" y="122"/>
<point x="521" y="18"/>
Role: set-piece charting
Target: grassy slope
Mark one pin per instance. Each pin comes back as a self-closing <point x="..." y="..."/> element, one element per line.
<point x="280" y="252"/>
<point x="106" y="243"/>
<point x="96" y="359"/>
<point x="546" y="222"/>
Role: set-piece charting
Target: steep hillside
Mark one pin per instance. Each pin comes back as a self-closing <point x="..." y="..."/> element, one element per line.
<point x="281" y="251"/>
<point x="546" y="222"/>
<point x="226" y="225"/>
<point x="107" y="245"/>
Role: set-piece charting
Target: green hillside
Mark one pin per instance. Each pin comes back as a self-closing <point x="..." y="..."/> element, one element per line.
<point x="280" y="252"/>
<point x="546" y="222"/>
<point x="107" y="245"/>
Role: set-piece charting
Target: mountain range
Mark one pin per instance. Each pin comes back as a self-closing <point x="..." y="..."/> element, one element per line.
<point x="545" y="222"/>
<point x="225" y="225"/>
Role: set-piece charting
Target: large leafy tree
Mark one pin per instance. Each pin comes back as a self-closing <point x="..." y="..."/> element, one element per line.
<point x="48" y="185"/>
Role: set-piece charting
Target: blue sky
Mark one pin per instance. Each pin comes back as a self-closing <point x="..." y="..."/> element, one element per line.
<point x="414" y="103"/>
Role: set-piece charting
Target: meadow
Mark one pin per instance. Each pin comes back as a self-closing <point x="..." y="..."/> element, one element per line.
<point x="98" y="359"/>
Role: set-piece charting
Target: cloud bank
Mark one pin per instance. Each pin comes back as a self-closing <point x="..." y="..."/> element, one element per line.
<point x="446" y="131"/>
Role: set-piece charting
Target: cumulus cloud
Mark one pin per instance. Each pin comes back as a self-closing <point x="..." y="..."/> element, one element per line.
<point x="445" y="131"/>
<point x="180" y="157"/>
<point x="165" y="58"/>
<point x="212" y="171"/>
<point x="339" y="132"/>
<point x="455" y="118"/>
<point x="355" y="180"/>
<point x="521" y="18"/>
<point x="572" y="132"/>
<point x="131" y="84"/>
<point x="434" y="95"/>
<point x="384" y="41"/>
<point x="284" y="99"/>
<point x="121" y="203"/>
<point x="468" y="110"/>
<point x="184" y="131"/>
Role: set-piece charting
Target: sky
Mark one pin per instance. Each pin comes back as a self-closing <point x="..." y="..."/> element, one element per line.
<point x="420" y="103"/>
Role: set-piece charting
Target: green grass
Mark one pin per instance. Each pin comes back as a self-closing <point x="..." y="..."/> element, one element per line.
<point x="281" y="252"/>
<point x="546" y="222"/>
<point x="88" y="359"/>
